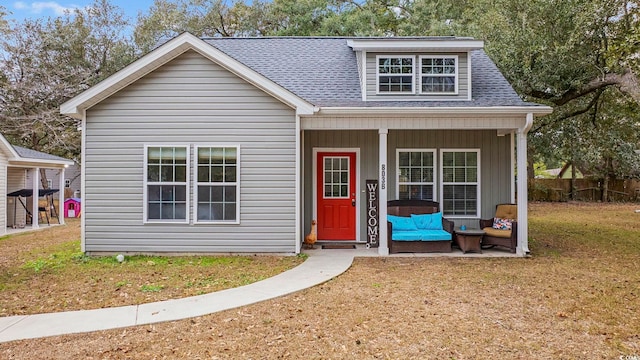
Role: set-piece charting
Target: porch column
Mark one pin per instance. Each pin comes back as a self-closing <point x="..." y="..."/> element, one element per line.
<point x="383" y="248"/>
<point x="512" y="176"/>
<point x="61" y="198"/>
<point x="523" y="226"/>
<point x="35" y="185"/>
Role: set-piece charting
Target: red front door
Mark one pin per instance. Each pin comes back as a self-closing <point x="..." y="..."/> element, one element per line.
<point x="336" y="184"/>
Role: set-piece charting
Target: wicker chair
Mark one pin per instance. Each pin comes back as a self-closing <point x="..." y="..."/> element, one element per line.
<point x="502" y="238"/>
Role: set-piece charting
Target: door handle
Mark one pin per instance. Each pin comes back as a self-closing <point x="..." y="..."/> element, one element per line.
<point x="353" y="202"/>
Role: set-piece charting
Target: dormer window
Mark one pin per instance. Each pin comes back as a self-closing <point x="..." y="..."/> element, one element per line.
<point x="438" y="75"/>
<point x="395" y="74"/>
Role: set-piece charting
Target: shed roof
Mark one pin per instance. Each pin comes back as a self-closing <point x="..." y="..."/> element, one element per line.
<point x="37" y="155"/>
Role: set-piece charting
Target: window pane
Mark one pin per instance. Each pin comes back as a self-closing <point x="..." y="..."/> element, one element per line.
<point x="153" y="173"/>
<point x="344" y="191"/>
<point x="180" y="155"/>
<point x="231" y="155"/>
<point x="460" y="175"/>
<point x="229" y="211"/>
<point x="216" y="174"/>
<point x="180" y="193"/>
<point x="204" y="211"/>
<point x="203" y="174"/>
<point x="218" y="211"/>
<point x="166" y="211"/>
<point x="403" y="159"/>
<point x="416" y="159"/>
<point x="327" y="164"/>
<point x="472" y="174"/>
<point x="427" y="174"/>
<point x="166" y="173"/>
<point x="472" y="159"/>
<point x="447" y="159"/>
<point x="447" y="174"/>
<point x="217" y="193"/>
<point x="181" y="173"/>
<point x="217" y="155"/>
<point x="166" y="155"/>
<point x="153" y="155"/>
<point x="230" y="194"/>
<point x="459" y="158"/>
<point x="230" y="174"/>
<point x="180" y="211"/>
<point x="153" y="211"/>
<point x="204" y="194"/>
<point x="204" y="155"/>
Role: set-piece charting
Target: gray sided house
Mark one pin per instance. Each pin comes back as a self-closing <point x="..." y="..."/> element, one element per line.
<point x="235" y="144"/>
<point x="19" y="176"/>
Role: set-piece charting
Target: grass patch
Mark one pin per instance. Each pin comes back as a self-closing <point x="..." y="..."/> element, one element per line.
<point x="49" y="273"/>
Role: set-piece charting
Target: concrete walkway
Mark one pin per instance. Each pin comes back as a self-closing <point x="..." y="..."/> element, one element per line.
<point x="320" y="267"/>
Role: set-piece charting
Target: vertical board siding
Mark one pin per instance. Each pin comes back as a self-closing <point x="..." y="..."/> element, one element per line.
<point x="16" y="180"/>
<point x="463" y="79"/>
<point x="495" y="182"/>
<point x="189" y="101"/>
<point x="495" y="161"/>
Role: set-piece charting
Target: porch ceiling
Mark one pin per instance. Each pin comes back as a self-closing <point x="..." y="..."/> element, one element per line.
<point x="501" y="123"/>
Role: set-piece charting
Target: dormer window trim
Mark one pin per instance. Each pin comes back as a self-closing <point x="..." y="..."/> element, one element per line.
<point x="401" y="74"/>
<point x="439" y="75"/>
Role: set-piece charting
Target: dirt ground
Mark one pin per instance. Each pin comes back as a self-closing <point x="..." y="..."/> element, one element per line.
<point x="577" y="297"/>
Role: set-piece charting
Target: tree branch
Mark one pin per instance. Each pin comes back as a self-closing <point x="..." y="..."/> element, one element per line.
<point x="577" y="112"/>
<point x="627" y="81"/>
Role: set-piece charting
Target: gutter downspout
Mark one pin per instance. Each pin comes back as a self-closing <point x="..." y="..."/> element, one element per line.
<point x="522" y="191"/>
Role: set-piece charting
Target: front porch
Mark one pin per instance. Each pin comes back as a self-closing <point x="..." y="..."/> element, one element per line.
<point x="493" y="144"/>
<point x="362" y="250"/>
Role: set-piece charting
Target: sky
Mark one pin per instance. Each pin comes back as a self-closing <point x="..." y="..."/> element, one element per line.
<point x="20" y="10"/>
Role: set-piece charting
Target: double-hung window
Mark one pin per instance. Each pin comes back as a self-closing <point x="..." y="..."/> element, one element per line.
<point x="438" y="74"/>
<point x="395" y="74"/>
<point x="166" y="171"/>
<point x="460" y="182"/>
<point x="217" y="188"/>
<point x="416" y="175"/>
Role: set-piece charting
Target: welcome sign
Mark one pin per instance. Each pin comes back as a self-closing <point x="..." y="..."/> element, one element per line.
<point x="373" y="222"/>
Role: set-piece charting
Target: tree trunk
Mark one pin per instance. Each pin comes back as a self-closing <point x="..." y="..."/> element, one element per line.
<point x="43" y="178"/>
<point x="572" y="190"/>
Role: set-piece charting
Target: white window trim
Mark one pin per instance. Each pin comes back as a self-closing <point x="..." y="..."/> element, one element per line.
<point x="477" y="183"/>
<point x="324" y="179"/>
<point x="420" y="75"/>
<point x="196" y="183"/>
<point x="435" y="171"/>
<point x="413" y="74"/>
<point x="145" y="195"/>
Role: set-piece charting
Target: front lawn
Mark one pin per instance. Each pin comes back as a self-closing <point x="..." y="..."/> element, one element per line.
<point x="44" y="271"/>
<point x="576" y="297"/>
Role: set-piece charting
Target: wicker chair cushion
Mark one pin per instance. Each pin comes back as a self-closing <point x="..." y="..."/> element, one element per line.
<point x="401" y="223"/>
<point x="489" y="231"/>
<point x="428" y="221"/>
<point x="507" y="211"/>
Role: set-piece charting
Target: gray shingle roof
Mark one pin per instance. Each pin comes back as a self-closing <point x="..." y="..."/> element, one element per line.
<point x="37" y="155"/>
<point x="324" y="72"/>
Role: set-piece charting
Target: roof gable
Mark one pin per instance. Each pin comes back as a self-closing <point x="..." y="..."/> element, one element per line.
<point x="75" y="107"/>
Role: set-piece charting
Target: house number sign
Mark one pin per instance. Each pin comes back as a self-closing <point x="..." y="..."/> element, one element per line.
<point x="373" y="223"/>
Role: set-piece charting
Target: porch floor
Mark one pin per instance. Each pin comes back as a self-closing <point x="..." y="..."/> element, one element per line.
<point x="28" y="228"/>
<point x="362" y="251"/>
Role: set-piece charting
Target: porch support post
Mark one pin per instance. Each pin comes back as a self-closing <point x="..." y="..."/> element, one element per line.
<point x="35" y="185"/>
<point x="61" y="198"/>
<point x="523" y="227"/>
<point x="383" y="248"/>
<point x="512" y="146"/>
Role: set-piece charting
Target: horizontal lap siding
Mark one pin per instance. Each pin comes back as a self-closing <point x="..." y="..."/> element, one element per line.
<point x="463" y="79"/>
<point x="3" y="187"/>
<point x="17" y="180"/>
<point x="191" y="101"/>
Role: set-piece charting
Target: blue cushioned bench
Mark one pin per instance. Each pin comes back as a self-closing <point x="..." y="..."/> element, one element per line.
<point x="417" y="226"/>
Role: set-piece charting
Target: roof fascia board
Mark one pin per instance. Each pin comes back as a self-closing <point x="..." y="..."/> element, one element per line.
<point x="164" y="54"/>
<point x="391" y="44"/>
<point x="28" y="162"/>
<point x="8" y="147"/>
<point x="501" y="110"/>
